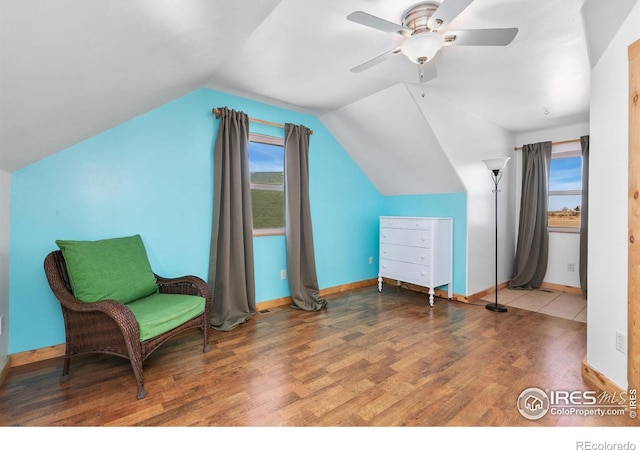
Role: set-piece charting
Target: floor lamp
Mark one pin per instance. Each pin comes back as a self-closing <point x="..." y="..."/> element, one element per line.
<point x="496" y="165"/>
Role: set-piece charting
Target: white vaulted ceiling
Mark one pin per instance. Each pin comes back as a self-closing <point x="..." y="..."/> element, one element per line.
<point x="70" y="69"/>
<point x="417" y="165"/>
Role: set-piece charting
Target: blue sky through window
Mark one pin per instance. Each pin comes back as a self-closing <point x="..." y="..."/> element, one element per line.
<point x="265" y="157"/>
<point x="565" y="174"/>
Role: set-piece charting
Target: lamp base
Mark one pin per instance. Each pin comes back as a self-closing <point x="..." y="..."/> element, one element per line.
<point x="496" y="307"/>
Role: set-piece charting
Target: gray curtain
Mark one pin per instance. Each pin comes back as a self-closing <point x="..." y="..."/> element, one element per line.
<point x="533" y="236"/>
<point x="301" y="264"/>
<point x="584" y="214"/>
<point x="231" y="275"/>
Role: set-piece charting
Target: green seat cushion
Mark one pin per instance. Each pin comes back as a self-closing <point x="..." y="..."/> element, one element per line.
<point x="159" y="313"/>
<point x="115" y="269"/>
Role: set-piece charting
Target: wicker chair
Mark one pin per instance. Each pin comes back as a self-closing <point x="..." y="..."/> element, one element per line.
<point x="109" y="327"/>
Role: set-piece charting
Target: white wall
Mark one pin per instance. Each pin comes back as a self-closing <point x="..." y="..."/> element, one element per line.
<point x="5" y="193"/>
<point x="564" y="248"/>
<point x="467" y="140"/>
<point x="608" y="207"/>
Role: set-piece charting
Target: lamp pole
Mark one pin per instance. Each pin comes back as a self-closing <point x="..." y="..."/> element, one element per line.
<point x="495" y="165"/>
<point x="496" y="175"/>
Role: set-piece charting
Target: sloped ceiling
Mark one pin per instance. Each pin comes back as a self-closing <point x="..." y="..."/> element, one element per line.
<point x="602" y="21"/>
<point x="70" y="69"/>
<point x="403" y="156"/>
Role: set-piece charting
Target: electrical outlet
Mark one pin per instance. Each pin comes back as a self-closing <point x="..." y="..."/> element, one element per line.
<point x="621" y="342"/>
<point x="283" y="274"/>
<point x="571" y="267"/>
<point x="370" y="259"/>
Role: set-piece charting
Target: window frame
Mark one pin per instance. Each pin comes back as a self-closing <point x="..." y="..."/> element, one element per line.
<point x="560" y="154"/>
<point x="269" y="140"/>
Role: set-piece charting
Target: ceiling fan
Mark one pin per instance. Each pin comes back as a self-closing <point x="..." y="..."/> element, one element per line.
<point x="424" y="25"/>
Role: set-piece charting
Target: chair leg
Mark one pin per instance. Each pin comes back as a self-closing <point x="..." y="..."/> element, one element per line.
<point x="205" y="332"/>
<point x="141" y="393"/>
<point x="136" y="365"/>
<point x="65" y="368"/>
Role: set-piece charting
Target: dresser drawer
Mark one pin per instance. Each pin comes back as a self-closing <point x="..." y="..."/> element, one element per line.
<point x="415" y="238"/>
<point x="416" y="255"/>
<point x="412" y="273"/>
<point x="406" y="223"/>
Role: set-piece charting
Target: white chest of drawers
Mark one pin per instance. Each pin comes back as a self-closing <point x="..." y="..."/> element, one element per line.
<point x="417" y="250"/>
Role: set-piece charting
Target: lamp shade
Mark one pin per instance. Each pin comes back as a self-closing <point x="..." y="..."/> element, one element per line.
<point x="421" y="47"/>
<point x="498" y="164"/>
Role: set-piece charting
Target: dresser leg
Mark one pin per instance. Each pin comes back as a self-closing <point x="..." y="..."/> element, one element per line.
<point x="379" y="283"/>
<point x="431" y="292"/>
<point x="450" y="291"/>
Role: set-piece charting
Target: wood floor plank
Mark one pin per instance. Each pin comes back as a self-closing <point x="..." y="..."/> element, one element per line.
<point x="369" y="359"/>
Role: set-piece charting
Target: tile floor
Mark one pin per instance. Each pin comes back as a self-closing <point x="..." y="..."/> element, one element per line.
<point x="553" y="303"/>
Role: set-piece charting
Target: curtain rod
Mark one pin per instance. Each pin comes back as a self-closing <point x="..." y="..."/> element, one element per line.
<point x="553" y="143"/>
<point x="217" y="112"/>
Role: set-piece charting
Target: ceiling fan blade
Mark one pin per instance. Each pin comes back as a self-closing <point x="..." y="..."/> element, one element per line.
<point x="447" y="11"/>
<point x="427" y="72"/>
<point x="487" y="36"/>
<point x="368" y="20"/>
<point x="377" y="60"/>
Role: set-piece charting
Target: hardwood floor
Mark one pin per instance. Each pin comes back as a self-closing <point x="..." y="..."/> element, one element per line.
<point x="368" y="359"/>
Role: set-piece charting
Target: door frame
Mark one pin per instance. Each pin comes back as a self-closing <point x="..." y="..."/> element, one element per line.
<point x="633" y="313"/>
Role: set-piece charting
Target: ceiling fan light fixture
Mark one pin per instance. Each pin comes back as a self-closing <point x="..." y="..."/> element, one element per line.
<point x="421" y="47"/>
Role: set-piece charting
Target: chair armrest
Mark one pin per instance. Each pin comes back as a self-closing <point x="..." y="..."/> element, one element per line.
<point x="187" y="285"/>
<point x="117" y="311"/>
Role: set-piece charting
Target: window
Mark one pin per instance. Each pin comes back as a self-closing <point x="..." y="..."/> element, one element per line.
<point x="565" y="190"/>
<point x="266" y="168"/>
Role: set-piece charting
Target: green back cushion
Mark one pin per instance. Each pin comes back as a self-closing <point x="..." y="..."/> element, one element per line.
<point x="115" y="269"/>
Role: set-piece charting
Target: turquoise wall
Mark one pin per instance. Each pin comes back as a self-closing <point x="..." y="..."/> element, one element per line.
<point x="439" y="205"/>
<point x="153" y="175"/>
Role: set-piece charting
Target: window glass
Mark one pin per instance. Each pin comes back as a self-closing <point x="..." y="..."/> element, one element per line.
<point x="266" y="167"/>
<point x="565" y="173"/>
